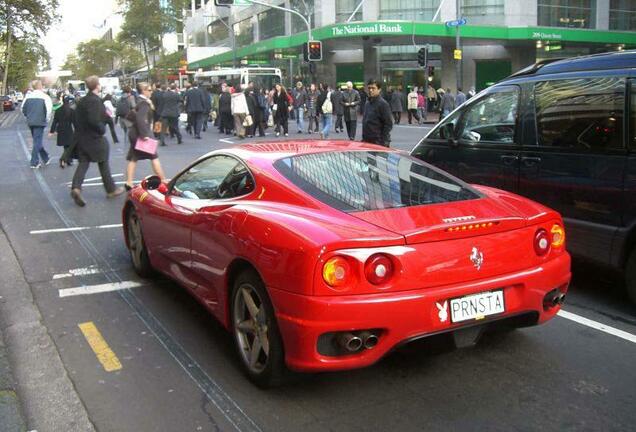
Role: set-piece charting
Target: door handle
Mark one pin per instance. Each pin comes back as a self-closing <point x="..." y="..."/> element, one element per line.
<point x="531" y="161"/>
<point x="509" y="159"/>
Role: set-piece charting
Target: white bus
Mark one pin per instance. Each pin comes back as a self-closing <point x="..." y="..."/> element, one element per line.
<point x="262" y="77"/>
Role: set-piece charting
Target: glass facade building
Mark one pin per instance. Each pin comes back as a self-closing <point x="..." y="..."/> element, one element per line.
<point x="383" y="37"/>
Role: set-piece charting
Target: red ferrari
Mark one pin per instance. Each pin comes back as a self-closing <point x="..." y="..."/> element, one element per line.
<point x="327" y="255"/>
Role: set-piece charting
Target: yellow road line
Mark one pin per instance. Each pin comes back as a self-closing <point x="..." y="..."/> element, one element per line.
<point x="104" y="354"/>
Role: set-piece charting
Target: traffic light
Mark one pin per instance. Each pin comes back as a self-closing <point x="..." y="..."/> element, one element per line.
<point x="314" y="51"/>
<point x="421" y="57"/>
<point x="223" y="2"/>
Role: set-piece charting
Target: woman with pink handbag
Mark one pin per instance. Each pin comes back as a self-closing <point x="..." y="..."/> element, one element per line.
<point x="142" y="146"/>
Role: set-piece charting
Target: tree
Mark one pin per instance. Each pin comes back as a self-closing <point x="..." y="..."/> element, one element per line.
<point x="147" y="21"/>
<point x="97" y="56"/>
<point x="28" y="56"/>
<point x="21" y="18"/>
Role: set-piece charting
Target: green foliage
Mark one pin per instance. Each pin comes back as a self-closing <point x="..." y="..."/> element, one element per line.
<point x="28" y="55"/>
<point x="98" y="56"/>
<point x="146" y="22"/>
<point x="28" y="16"/>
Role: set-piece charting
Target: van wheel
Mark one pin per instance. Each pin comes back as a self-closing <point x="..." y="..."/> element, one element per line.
<point x="630" y="276"/>
<point x="256" y="335"/>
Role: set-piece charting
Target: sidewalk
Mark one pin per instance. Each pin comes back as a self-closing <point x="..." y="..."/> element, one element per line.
<point x="48" y="400"/>
<point x="11" y="419"/>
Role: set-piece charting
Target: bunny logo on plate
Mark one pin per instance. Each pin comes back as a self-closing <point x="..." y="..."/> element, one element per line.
<point x="442" y="311"/>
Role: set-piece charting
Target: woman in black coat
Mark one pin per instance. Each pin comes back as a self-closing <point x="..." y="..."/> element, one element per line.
<point x="141" y="129"/>
<point x="64" y="125"/>
<point x="281" y="115"/>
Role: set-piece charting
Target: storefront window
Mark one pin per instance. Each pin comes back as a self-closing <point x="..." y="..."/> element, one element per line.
<point x="344" y="9"/>
<point x="417" y="10"/>
<point x="622" y="15"/>
<point x="298" y="25"/>
<point x="271" y="23"/>
<point x="567" y="13"/>
<point x="244" y="32"/>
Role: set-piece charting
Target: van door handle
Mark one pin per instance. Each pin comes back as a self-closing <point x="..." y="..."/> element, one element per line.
<point x="509" y="159"/>
<point x="531" y="161"/>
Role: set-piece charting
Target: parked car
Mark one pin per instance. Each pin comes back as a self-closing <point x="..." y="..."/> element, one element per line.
<point x="562" y="133"/>
<point x="19" y="96"/>
<point x="326" y="256"/>
<point x="7" y="103"/>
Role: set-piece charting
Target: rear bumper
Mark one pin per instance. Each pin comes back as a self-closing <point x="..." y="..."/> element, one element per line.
<point x="401" y="316"/>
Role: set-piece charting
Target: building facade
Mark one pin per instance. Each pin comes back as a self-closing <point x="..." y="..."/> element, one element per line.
<point x="381" y="38"/>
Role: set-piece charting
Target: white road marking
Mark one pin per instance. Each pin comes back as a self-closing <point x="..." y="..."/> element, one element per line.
<point x="597" y="326"/>
<point x="97" y="178"/>
<point x="225" y="140"/>
<point x="59" y="230"/>
<point x="84" y="271"/>
<point x="96" y="289"/>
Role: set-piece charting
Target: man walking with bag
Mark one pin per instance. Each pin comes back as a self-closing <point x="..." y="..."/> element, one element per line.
<point x="91" y="144"/>
<point x="350" y="102"/>
<point x="195" y="106"/>
<point x="37" y="108"/>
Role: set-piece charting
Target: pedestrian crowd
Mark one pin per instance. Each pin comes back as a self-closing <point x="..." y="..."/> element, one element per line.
<point x="149" y="114"/>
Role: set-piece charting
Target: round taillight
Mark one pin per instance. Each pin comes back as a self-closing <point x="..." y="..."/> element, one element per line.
<point x="336" y="272"/>
<point x="378" y="269"/>
<point x="558" y="235"/>
<point x="541" y="242"/>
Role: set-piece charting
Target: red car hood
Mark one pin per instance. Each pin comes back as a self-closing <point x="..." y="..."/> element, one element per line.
<point x="443" y="221"/>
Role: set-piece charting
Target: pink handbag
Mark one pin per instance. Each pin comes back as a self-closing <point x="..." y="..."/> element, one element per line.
<point x="147" y="146"/>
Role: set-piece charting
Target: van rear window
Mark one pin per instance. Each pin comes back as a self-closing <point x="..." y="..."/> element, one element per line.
<point x="365" y="180"/>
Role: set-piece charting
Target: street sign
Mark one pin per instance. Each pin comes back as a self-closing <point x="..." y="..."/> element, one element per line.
<point x="457" y="54"/>
<point x="455" y="23"/>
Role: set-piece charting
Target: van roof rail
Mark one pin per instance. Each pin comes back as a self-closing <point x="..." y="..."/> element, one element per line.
<point x="533" y="68"/>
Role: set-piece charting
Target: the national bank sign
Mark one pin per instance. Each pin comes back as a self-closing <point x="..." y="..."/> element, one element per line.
<point x="362" y="29"/>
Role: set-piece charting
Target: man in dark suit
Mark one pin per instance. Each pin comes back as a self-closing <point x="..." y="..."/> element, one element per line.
<point x="157" y="101"/>
<point x="90" y="142"/>
<point x="170" y="114"/>
<point x="195" y="106"/>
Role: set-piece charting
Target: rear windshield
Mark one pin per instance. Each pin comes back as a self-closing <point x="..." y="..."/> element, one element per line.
<point x="361" y="181"/>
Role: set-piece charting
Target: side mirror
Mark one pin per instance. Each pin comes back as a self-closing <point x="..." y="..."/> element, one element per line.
<point x="153" y="182"/>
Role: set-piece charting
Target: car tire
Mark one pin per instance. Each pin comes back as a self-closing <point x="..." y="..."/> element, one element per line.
<point x="630" y="276"/>
<point x="137" y="246"/>
<point x="255" y="330"/>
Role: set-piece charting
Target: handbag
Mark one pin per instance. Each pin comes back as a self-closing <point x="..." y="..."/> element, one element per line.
<point x="147" y="145"/>
<point x="270" y="120"/>
<point x="248" y="121"/>
<point x="274" y="107"/>
<point x="156" y="127"/>
<point x="327" y="106"/>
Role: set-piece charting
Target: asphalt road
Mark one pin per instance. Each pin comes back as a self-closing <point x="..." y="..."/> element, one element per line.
<point x="174" y="367"/>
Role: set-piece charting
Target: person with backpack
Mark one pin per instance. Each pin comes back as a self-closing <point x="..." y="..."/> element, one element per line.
<point x="326" y="103"/>
<point x="125" y="103"/>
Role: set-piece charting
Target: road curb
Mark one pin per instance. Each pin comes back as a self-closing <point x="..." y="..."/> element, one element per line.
<point x="11" y="417"/>
<point x="49" y="399"/>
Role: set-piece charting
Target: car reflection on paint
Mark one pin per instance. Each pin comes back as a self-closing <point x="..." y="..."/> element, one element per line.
<point x="323" y="255"/>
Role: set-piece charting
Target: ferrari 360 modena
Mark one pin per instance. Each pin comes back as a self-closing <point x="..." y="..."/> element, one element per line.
<point x="324" y="256"/>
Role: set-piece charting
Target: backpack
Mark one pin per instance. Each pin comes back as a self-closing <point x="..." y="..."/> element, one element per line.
<point x="327" y="106"/>
<point x="123" y="107"/>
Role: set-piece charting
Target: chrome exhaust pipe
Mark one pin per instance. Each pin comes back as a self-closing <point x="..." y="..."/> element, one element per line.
<point x="369" y="340"/>
<point x="561" y="299"/>
<point x="350" y="342"/>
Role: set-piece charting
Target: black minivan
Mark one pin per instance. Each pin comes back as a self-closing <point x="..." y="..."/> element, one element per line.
<point x="562" y="133"/>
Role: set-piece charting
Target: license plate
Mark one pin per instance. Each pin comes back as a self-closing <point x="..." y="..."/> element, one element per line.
<point x="477" y="306"/>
